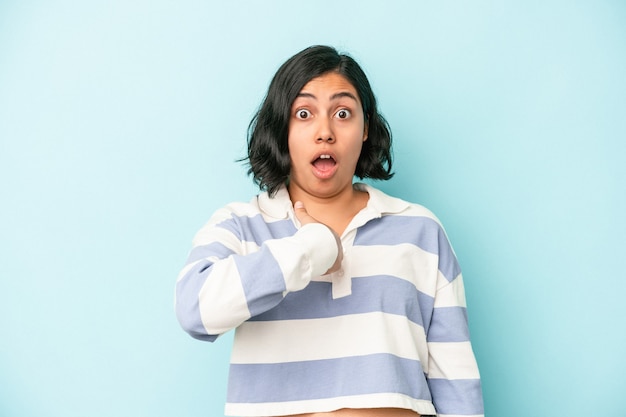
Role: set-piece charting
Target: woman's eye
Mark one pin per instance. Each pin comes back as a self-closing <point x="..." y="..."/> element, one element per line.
<point x="343" y="114"/>
<point x="303" y="114"/>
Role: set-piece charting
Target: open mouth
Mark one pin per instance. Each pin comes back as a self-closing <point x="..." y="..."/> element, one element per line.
<point x="324" y="162"/>
<point x="324" y="166"/>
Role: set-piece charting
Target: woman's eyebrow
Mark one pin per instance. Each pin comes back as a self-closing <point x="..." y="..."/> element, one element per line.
<point x="333" y="97"/>
<point x="343" y="94"/>
<point x="309" y="95"/>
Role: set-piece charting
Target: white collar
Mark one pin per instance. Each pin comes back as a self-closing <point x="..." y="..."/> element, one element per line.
<point x="279" y="206"/>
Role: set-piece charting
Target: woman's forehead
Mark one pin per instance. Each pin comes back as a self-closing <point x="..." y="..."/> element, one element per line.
<point x="330" y="85"/>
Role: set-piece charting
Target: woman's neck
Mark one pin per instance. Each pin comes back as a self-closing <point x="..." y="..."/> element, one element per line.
<point x="335" y="211"/>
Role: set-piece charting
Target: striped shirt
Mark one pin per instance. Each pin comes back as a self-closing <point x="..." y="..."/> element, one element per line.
<point x="389" y="329"/>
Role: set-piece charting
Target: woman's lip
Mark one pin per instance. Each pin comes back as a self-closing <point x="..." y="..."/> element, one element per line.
<point x="324" y="168"/>
<point x="328" y="172"/>
<point x="319" y="155"/>
<point x="324" y="174"/>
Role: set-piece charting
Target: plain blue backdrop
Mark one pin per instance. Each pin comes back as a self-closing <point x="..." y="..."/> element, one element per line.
<point x="120" y="124"/>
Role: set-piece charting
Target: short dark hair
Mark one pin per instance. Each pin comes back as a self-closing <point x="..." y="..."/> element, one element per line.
<point x="268" y="150"/>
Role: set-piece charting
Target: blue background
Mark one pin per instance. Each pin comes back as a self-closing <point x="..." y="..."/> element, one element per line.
<point x="120" y="124"/>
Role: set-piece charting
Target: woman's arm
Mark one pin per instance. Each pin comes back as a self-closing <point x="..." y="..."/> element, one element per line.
<point x="453" y="375"/>
<point x="228" y="280"/>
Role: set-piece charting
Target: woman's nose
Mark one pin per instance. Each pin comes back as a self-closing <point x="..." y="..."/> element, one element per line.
<point x="328" y="139"/>
<point x="325" y="132"/>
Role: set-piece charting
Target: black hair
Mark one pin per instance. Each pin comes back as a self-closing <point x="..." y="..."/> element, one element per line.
<point x="268" y="150"/>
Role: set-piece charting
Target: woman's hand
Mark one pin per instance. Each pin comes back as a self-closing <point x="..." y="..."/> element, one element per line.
<point x="305" y="218"/>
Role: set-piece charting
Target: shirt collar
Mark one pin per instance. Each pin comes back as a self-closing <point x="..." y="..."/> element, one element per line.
<point x="279" y="206"/>
<point x="381" y="203"/>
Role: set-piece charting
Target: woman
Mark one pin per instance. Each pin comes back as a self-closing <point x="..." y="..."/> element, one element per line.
<point x="346" y="301"/>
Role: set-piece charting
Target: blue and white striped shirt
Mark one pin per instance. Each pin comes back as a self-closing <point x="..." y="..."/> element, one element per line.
<point x="387" y="330"/>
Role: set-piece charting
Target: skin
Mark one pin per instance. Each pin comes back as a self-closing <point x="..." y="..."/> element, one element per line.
<point x="326" y="118"/>
<point x="369" y="412"/>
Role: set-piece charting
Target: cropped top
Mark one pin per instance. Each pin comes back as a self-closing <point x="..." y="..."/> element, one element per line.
<point x="389" y="329"/>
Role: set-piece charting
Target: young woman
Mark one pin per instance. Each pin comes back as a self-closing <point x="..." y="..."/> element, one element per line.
<point x="346" y="301"/>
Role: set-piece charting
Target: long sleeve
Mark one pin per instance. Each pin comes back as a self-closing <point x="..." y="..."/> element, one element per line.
<point x="453" y="375"/>
<point x="240" y="267"/>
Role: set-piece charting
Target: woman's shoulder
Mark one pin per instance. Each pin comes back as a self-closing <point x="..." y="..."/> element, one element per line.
<point x="389" y="205"/>
<point x="269" y="207"/>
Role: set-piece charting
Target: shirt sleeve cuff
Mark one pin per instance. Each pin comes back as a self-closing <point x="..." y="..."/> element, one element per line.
<point x="319" y="245"/>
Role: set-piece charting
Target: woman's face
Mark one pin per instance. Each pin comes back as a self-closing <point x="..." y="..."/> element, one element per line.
<point x="326" y="133"/>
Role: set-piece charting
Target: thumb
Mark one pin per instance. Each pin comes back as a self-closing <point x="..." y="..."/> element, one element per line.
<point x="302" y="215"/>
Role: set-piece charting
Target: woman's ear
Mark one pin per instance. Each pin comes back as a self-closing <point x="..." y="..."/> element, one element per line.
<point x="366" y="129"/>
